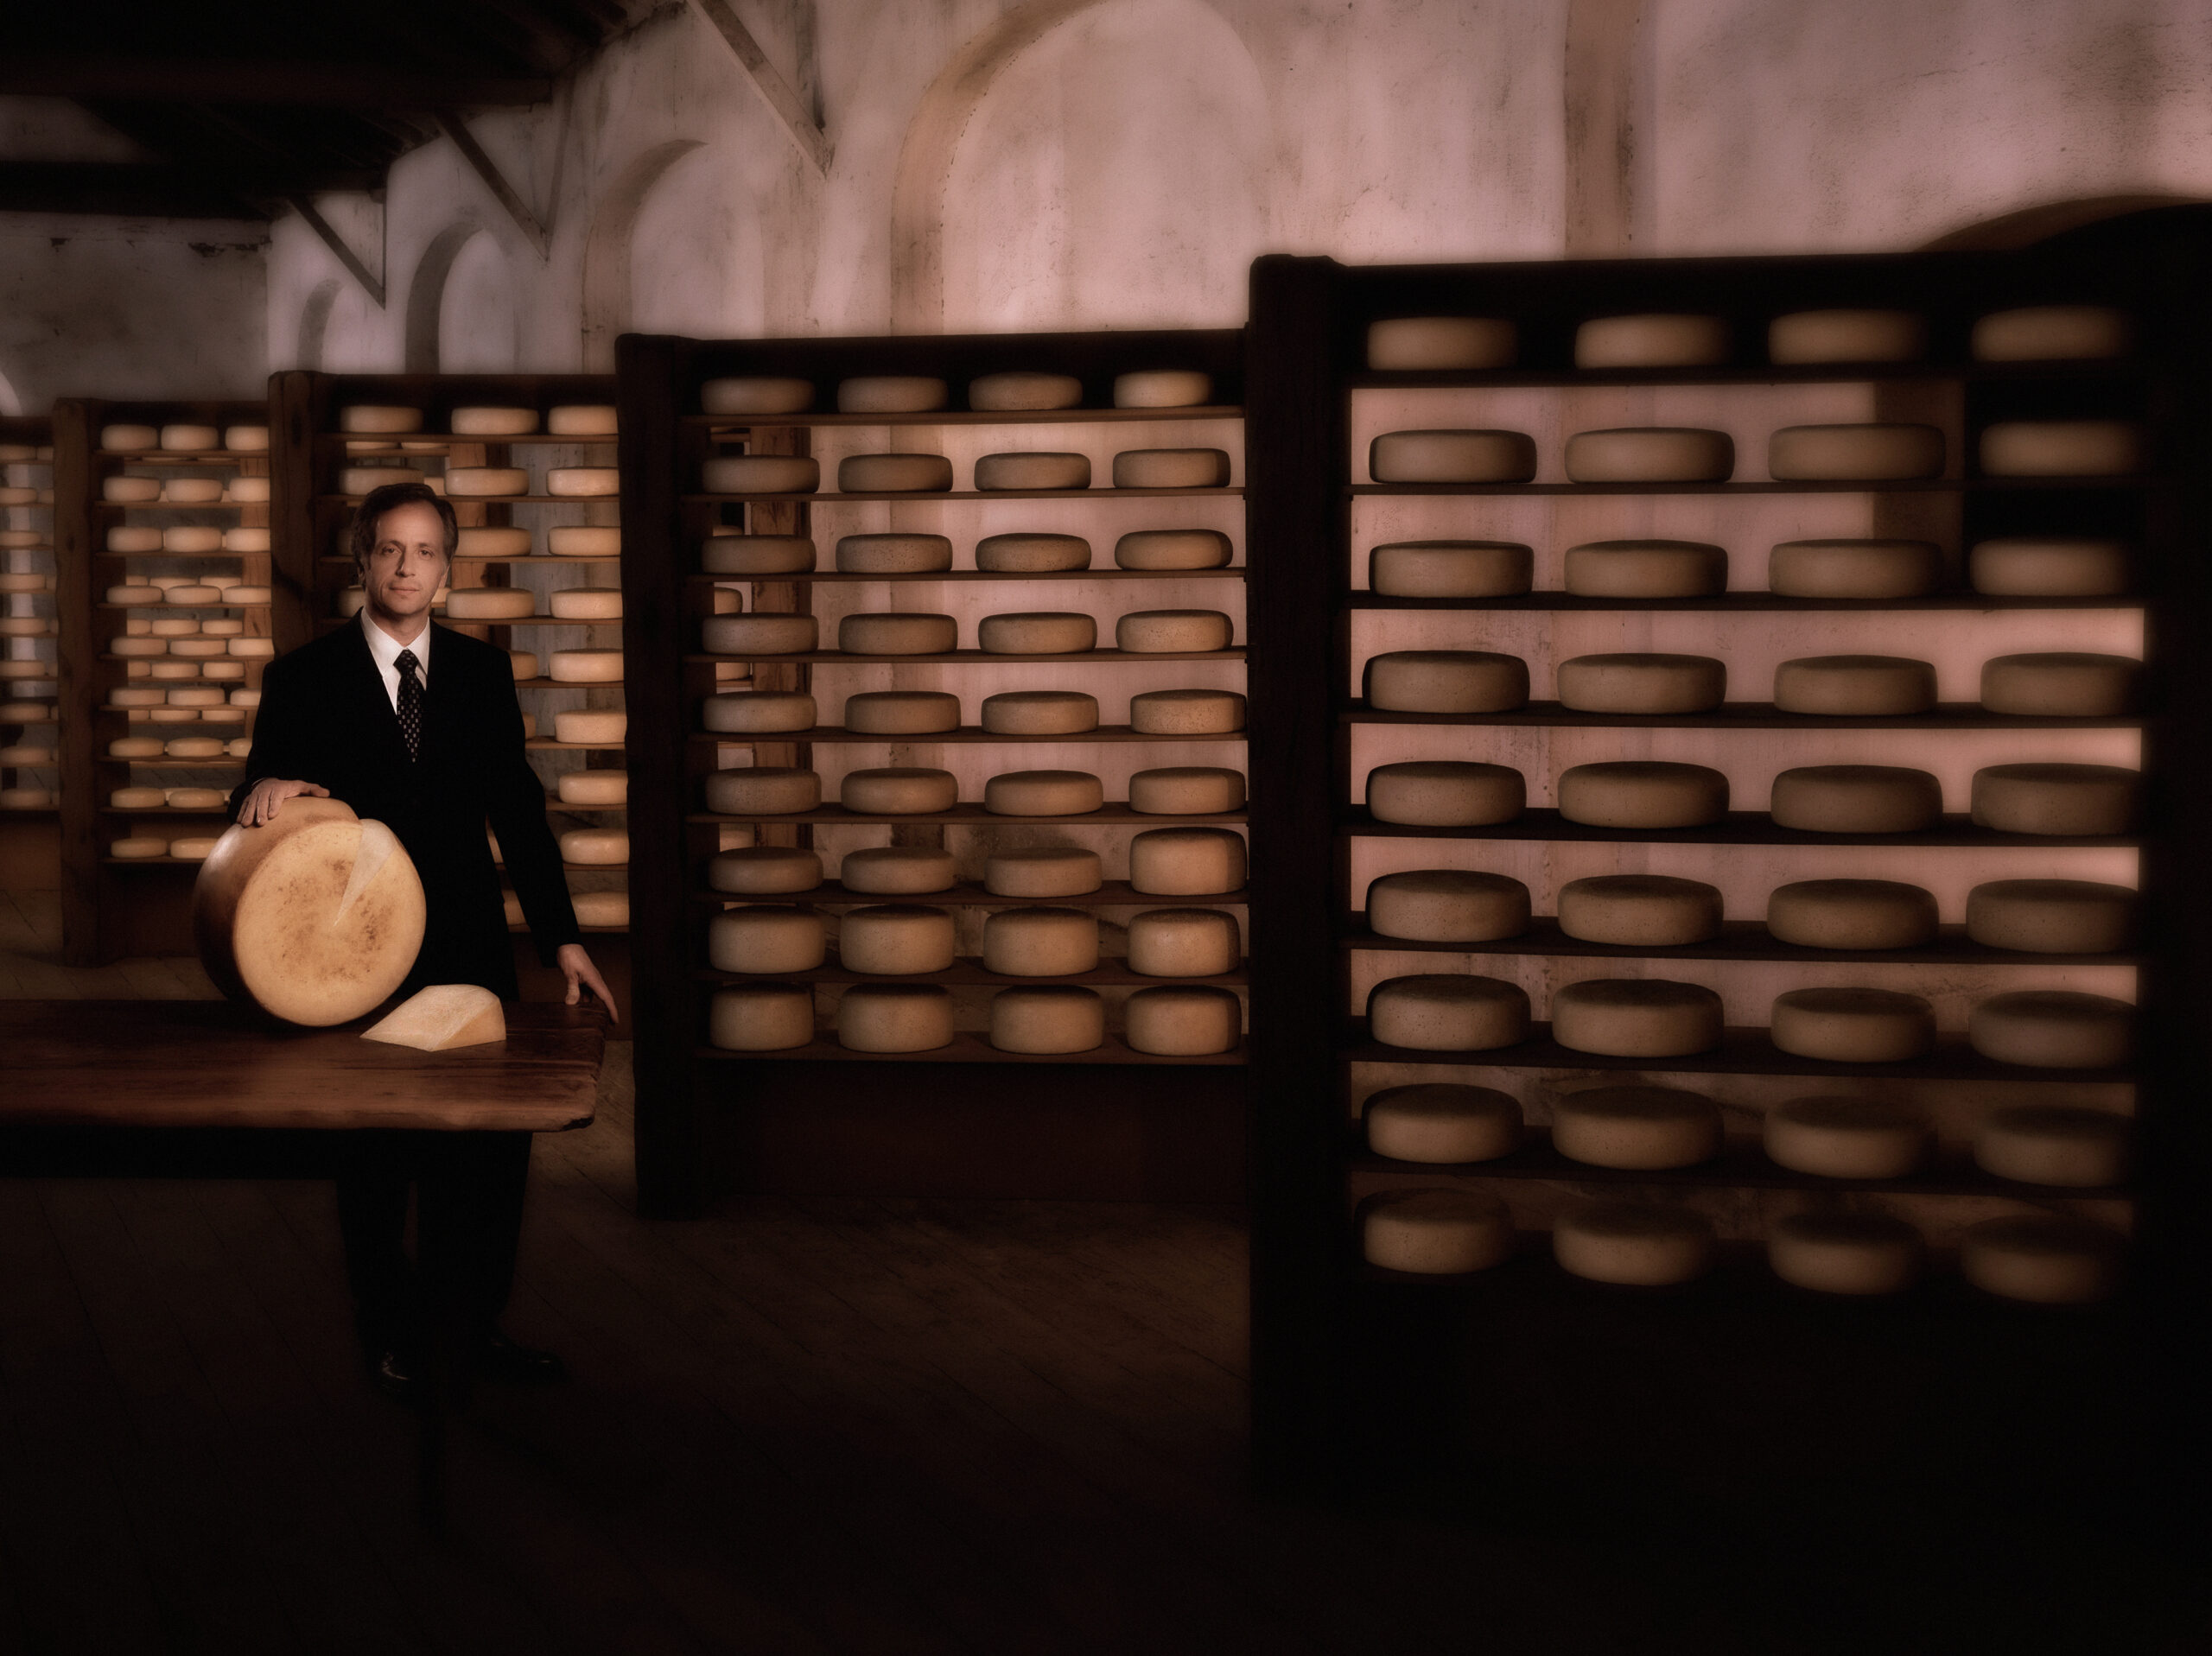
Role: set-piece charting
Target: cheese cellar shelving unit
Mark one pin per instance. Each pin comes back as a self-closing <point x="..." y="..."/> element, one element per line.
<point x="29" y="702"/>
<point x="167" y="613"/>
<point x="966" y="1115"/>
<point x="1366" y="1375"/>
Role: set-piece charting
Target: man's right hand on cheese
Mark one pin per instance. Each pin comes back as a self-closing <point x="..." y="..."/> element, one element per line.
<point x="268" y="796"/>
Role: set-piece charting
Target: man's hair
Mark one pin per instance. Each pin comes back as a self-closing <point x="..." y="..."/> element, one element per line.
<point x="363" y="540"/>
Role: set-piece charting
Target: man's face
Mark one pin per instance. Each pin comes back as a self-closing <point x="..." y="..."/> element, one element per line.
<point x="407" y="564"/>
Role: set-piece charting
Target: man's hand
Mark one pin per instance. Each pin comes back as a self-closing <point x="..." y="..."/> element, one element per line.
<point x="577" y="966"/>
<point x="269" y="795"/>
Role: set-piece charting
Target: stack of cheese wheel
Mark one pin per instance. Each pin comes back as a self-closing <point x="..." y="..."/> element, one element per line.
<point x="1841" y="1137"/>
<point x="1854" y="568"/>
<point x="1448" y="1013"/>
<point x="1442" y="1121"/>
<point x="1650" y="454"/>
<point x="1633" y="1244"/>
<point x="1439" y="344"/>
<point x="1639" y="1128"/>
<point x="1452" y="457"/>
<point x="1645" y="569"/>
<point x="1637" y="1018"/>
<point x="1435" y="1232"/>
<point x="1858" y="1254"/>
<point x="1450" y="569"/>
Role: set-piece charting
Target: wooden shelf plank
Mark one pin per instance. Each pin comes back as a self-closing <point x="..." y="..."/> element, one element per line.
<point x="1739" y="940"/>
<point x="1738" y="827"/>
<point x="965" y="1049"/>
<point x="1745" y="715"/>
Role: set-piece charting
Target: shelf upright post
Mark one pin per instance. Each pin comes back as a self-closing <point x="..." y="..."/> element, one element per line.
<point x="77" y="651"/>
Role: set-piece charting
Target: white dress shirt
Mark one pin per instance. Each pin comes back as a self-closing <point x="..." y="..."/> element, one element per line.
<point x="384" y="650"/>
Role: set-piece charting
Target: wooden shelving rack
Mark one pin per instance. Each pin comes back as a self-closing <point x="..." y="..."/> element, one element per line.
<point x="1365" y="1377"/>
<point x="29" y="631"/>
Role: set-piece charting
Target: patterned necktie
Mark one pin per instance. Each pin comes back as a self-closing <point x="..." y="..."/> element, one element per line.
<point x="410" y="704"/>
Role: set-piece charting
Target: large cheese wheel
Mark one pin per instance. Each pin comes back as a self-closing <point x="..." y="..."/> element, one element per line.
<point x="498" y="542"/>
<point x="604" y="908"/>
<point x="1032" y="554"/>
<point x="243" y="596"/>
<point x="588" y="666"/>
<point x="133" y="593"/>
<point x="1652" y="340"/>
<point x="124" y="696"/>
<point x="1442" y="1121"/>
<point x="760" y="1018"/>
<point x="2053" y="1028"/>
<point x="757" y="554"/>
<point x="765" y="869"/>
<point x="137" y="799"/>
<point x="1856" y="799"/>
<point x="763" y="633"/>
<point x="896" y="940"/>
<point x="1172" y="631"/>
<point x="894" y="1016"/>
<point x="1040" y="943"/>
<point x="1451" y="568"/>
<point x="1445" y="793"/>
<point x="466" y="482"/>
<point x="1184" y="942"/>
<point x="890" y="394"/>
<point x="1445" y="680"/>
<point x="893" y="473"/>
<point x="902" y="713"/>
<point x="763" y="790"/>
<point x="583" y="482"/>
<point x="1641" y="683"/>
<point x="2053" y="1144"/>
<point x="1435" y="1232"/>
<point x="2041" y="1259"/>
<point x="1448" y="905"/>
<point x="1037" y="632"/>
<point x="128" y="439"/>
<point x="760" y="474"/>
<point x="129" y="645"/>
<point x="1439" y="344"/>
<point x="2065" y="683"/>
<point x="245" y="540"/>
<point x="2046" y="566"/>
<point x="1044" y="871"/>
<point x="130" y="491"/>
<point x="1162" y="388"/>
<point x="1452" y="457"/>
<point x="173" y="626"/>
<point x="247" y="490"/>
<point x="756" y="394"/>
<point x="1639" y="911"/>
<point x="380" y="419"/>
<point x="1854" y="686"/>
<point x="1645" y="569"/>
<point x="752" y="711"/>
<point x="1023" y="389"/>
<point x="315" y="917"/>
<point x="582" y="420"/>
<point x="2052" y="917"/>
<point x="1186" y="791"/>
<point x="1448" y="1012"/>
<point x="246" y="440"/>
<point x="893" y="632"/>
<point x="1186" y="862"/>
<point x="1650" y="454"/>
<point x="1640" y="1128"/>
<point x="899" y="790"/>
<point x="2062" y="448"/>
<point x="1847" y="1138"/>
<point x="1853" y="1026"/>
<point x="1171" y="468"/>
<point x="1633" y="1244"/>
<point x="1043" y="793"/>
<point x="1048" y="1017"/>
<point x="1851" y="914"/>
<point x="2056" y="799"/>
<point x="1637" y="1018"/>
<point x="897" y="870"/>
<point x="1839" y="453"/>
<point x="1183" y="1020"/>
<point x="890" y="555"/>
<point x="595" y="847"/>
<point x="1858" y="1254"/>
<point x="192" y="538"/>
<point x="1033" y="469"/>
<point x="591" y="728"/>
<point x="1643" y="794"/>
<point x="26" y="627"/>
<point x="192" y="491"/>
<point x="1187" y="712"/>
<point x="592" y="787"/>
<point x="194" y="747"/>
<point x="1039" y="712"/>
<point x="2052" y="334"/>
<point x="491" y="604"/>
<point x="132" y="847"/>
<point x="765" y="937"/>
<point x="133" y="537"/>
<point x="488" y="421"/>
<point x="196" y="847"/>
<point x="1817" y="336"/>
<point x="24" y="581"/>
<point x="195" y="799"/>
<point x="1854" y="568"/>
<point x="1166" y="548"/>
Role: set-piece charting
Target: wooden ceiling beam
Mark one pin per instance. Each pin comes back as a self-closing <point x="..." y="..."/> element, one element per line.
<point x="159" y="192"/>
<point x="239" y="80"/>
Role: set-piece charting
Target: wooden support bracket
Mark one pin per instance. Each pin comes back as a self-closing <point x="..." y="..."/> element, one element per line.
<point x="496" y="182"/>
<point x="372" y="285"/>
<point x="775" y="91"/>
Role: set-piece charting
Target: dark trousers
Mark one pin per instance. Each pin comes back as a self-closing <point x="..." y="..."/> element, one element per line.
<point x="468" y="1192"/>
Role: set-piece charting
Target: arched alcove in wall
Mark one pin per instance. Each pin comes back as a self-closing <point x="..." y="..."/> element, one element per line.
<point x="2032" y="225"/>
<point x="461" y="314"/>
<point x="314" y="324"/>
<point x="610" y="250"/>
<point x="9" y="402"/>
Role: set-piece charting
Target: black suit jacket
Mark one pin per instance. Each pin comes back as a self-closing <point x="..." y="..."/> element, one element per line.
<point x="325" y="719"/>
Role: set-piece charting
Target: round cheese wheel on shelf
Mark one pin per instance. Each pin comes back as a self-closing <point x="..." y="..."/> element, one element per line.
<point x="765" y="937"/>
<point x="192" y="491"/>
<point x="42" y="712"/>
<point x="491" y="604"/>
<point x="889" y="555"/>
<point x="583" y="482"/>
<point x="2052" y="1029"/>
<point x="232" y="670"/>
<point x="1019" y="390"/>
<point x="1452" y="457"/>
<point x="588" y="666"/>
<point x="1633" y="1244"/>
<point x="893" y="632"/>
<point x="1650" y="454"/>
<point x="1038" y="633"/>
<point x="2052" y="917"/>
<point x="586" y="604"/>
<point x="137" y="799"/>
<point x="1653" y="341"/>
<point x="1046" y="871"/>
<point x="1186" y="791"/>
<point x="2056" y="799"/>
<point x="899" y="790"/>
<point x="760" y="1018"/>
<point x="1851" y="914"/>
<point x="1856" y="799"/>
<point x="1645" y="569"/>
<point x="245" y="698"/>
<point x="582" y="420"/>
<point x="194" y="747"/>
<point x="1035" y="469"/>
<point x="2053" y="1144"/>
<point x="893" y="473"/>
<point x="243" y="596"/>
<point x="24" y="581"/>
<point x="1875" y="453"/>
<point x="1170" y="548"/>
<point x="468" y="482"/>
<point x="760" y="474"/>
<point x="132" y="537"/>
<point x="1847" y="1138"/>
<point x="1043" y="793"/>
<point x="365" y="479"/>
<point x="1032" y="554"/>
<point x="590" y="787"/>
<point x="1183" y="1020"/>
<point x="902" y="713"/>
<point x="756" y="394"/>
<point x="132" y="848"/>
<point x="1439" y="344"/>
<point x="1854" y="568"/>
<point x="1445" y="793"/>
<point x="498" y="542"/>
<point x="584" y="541"/>
<point x="1820" y="336"/>
<point x="246" y="440"/>
<point x="1187" y="712"/>
<point x="2062" y="448"/>
<point x="173" y="669"/>
<point x="195" y="799"/>
<point x="757" y="554"/>
<point x="1448" y="905"/>
<point x="133" y="593"/>
<point x="1643" y="794"/>
<point x="1448" y="1012"/>
<point x="245" y="540"/>
<point x="2062" y="683"/>
<point x="765" y="870"/>
<point x="746" y="712"/>
<point x="128" y="439"/>
<point x="1171" y="468"/>
<point x="28" y="799"/>
<point x="890" y="394"/>
<point x="26" y="627"/>
<point x="892" y="870"/>
<point x="1039" y="712"/>
<point x="595" y="847"/>
<point x="1637" y="1018"/>
<point x="192" y="538"/>
<point x="763" y="633"/>
<point x="380" y="419"/>
<point x="199" y="648"/>
<point x="1442" y="1122"/>
<point x="1435" y="1232"/>
<point x="2041" y="565"/>
<point x="1641" y="683"/>
<point x="1639" y="911"/>
<point x="247" y="490"/>
<point x="1853" y="1026"/>
<point x="1162" y="388"/>
<point x="1172" y="631"/>
<point x="1184" y="944"/>
<point x="1186" y="862"/>
<point x="173" y="626"/>
<point x="194" y="847"/>
<point x="1048" y="1017"/>
<point x="1450" y="569"/>
<point x="1040" y="943"/>
<point x="1640" y="1128"/>
<point x="493" y="422"/>
<point x="131" y="645"/>
<point x="2052" y="334"/>
<point x="2043" y="1259"/>
<point x="763" y="790"/>
<point x="896" y="940"/>
<point x="1854" y="686"/>
<point x="1445" y="680"/>
<point x="130" y="491"/>
<point x="1858" y="1254"/>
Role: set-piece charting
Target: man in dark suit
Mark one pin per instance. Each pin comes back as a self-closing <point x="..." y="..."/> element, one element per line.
<point x="417" y="727"/>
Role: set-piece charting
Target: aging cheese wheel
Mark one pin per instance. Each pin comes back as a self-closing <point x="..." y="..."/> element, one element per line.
<point x="131" y="645"/>
<point x="1445" y="793"/>
<point x="1032" y="554"/>
<point x="1650" y="454"/>
<point x="1171" y="468"/>
<point x="1642" y="1128"/>
<point x="2053" y="1144"/>
<point x="1633" y="1244"/>
<point x="896" y="940"/>
<point x="765" y="937"/>
<point x="1435" y="1232"/>
<point x="1183" y="1020"/>
<point x="1038" y="633"/>
<point x="1643" y="794"/>
<point x="1020" y="390"/>
<point x="2065" y="683"/>
<point x="247" y="490"/>
<point x="194" y="747"/>
<point x="583" y="482"/>
<point x="757" y="554"/>
<point x="759" y="634"/>
<point x="1849" y="452"/>
<point x="1043" y="793"/>
<point x="1172" y="631"/>
<point x="760" y="474"/>
<point x="1439" y="344"/>
<point x="2062" y="448"/>
<point x="587" y="603"/>
<point x="24" y="581"/>
<point x="595" y="847"/>
<point x="498" y="542"/>
<point x="1040" y="943"/>
<point x="132" y="593"/>
<point x="765" y="870"/>
<point x="1048" y="1017"/>
<point x="893" y="473"/>
<point x="467" y="482"/>
<point x="1443" y="1011"/>
<point x="125" y="696"/>
<point x="380" y="419"/>
<point x="1641" y="683"/>
<point x="1162" y="388"/>
<point x="2053" y="1028"/>
<point x="1817" y="336"/>
<point x="315" y="917"/>
<point x="592" y="787"/>
<point x="243" y="596"/>
<point x="130" y="491"/>
<point x="1442" y="1122"/>
<point x="2043" y="566"/>
<point x="132" y="848"/>
<point x="899" y="790"/>
<point x="1639" y="911"/>
<point x="491" y="604"/>
<point x="887" y="554"/>
<point x="1445" y="680"/>
<point x="2041" y="1259"/>
<point x="1645" y="569"/>
<point x="584" y="540"/>
<point x="890" y="394"/>
<point x="1856" y="799"/>
<point x="902" y="713"/>
<point x="137" y="799"/>
<point x="1845" y="1252"/>
<point x="2052" y="917"/>
<point x="196" y="799"/>
<point x="364" y="480"/>
<point x="28" y="799"/>
<point x="26" y="627"/>
<point x="1854" y="686"/>
<point x="1847" y="1138"/>
<point x="192" y="491"/>
<point x="1452" y="457"/>
<point x="1186" y="791"/>
<point x="128" y="439"/>
<point x="2056" y="799"/>
<point x="1168" y="549"/>
<point x="196" y="847"/>
<point x="1184" y="942"/>
<point x="1448" y="905"/>
<point x="1039" y="712"/>
<point x="132" y="537"/>
<point x="1032" y="470"/>
<point x="1661" y="340"/>
<point x="588" y="666"/>
<point x="173" y="626"/>
<point x="187" y="439"/>
<point x="582" y="420"/>
<point x="1450" y="568"/>
<point x="1046" y="871"/>
<point x="204" y="646"/>
<point x="897" y="870"/>
<point x="191" y="537"/>
<point x="756" y="394"/>
<point x="752" y="711"/>
<point x="1853" y="1026"/>
<point x="1851" y="914"/>
<point x="893" y="632"/>
<point x="482" y="422"/>
<point x="1187" y="712"/>
<point x="763" y="790"/>
<point x="1186" y="862"/>
<point x="2052" y="334"/>
<point x="1637" y="1018"/>
<point x="760" y="1018"/>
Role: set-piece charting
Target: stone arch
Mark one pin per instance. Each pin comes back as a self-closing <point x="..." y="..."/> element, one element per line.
<point x="426" y="296"/>
<point x="10" y="403"/>
<point x="314" y="324"/>
<point x="607" y="250"/>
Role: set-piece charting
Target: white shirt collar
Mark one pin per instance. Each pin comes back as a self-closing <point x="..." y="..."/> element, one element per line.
<point x="386" y="649"/>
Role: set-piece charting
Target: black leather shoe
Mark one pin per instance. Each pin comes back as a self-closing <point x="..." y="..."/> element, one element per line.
<point x="397" y="1374"/>
<point x="500" y="1359"/>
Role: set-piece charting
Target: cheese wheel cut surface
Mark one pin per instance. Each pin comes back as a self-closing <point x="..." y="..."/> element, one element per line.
<point x="131" y="848"/>
<point x="2052" y="917"/>
<point x="756" y="394"/>
<point x="763" y="790"/>
<point x="1445" y="793"/>
<point x="1186" y="862"/>
<point x="890" y="555"/>
<point x="587" y="603"/>
<point x="1442" y="1122"/>
<point x="765" y="937"/>
<point x="1439" y="344"/>
<point x="491" y="604"/>
<point x="1019" y="390"/>
<point x="750" y="711"/>
<point x="899" y="790"/>
<point x="1043" y="793"/>
<point x="583" y="482"/>
<point x="890" y="394"/>
<point x="1186" y="791"/>
<point x="1452" y="457"/>
<point x="1032" y="554"/>
<point x="1856" y="799"/>
<point x="759" y="634"/>
<point x="493" y="422"/>
<point x="1040" y="943"/>
<point x="1854" y="686"/>
<point x="1645" y="569"/>
<point x="128" y="439"/>
<point x="1633" y="1244"/>
<point x="760" y="474"/>
<point x="2052" y="334"/>
<point x="132" y="537"/>
<point x="1171" y="468"/>
<point x="592" y="787"/>
<point x="315" y="917"/>
<point x="895" y="940"/>
<point x="756" y="554"/>
<point x="1168" y="549"/>
<point x="1162" y="388"/>
<point x="1187" y="712"/>
<point x="898" y="633"/>
<point x="1039" y="712"/>
<point x="464" y="482"/>
<point x="1451" y="568"/>
<point x="1856" y="1253"/>
<point x="1851" y="914"/>
<point x="760" y="1018"/>
<point x="897" y="870"/>
<point x="595" y="847"/>
<point x="2056" y="799"/>
<point x="1637" y="1018"/>
<point x="893" y="473"/>
<point x="1448" y="905"/>
<point x="2062" y="683"/>
<point x="2053" y="1144"/>
<point x="2053" y="1028"/>
<point x="1448" y="1013"/>
<point x="1652" y="341"/>
<point x="1641" y="683"/>
<point x="1187" y="1020"/>
<point x="1041" y="632"/>
<point x="1445" y="680"/>
<point x="588" y="666"/>
<point x="441" y="1018"/>
<point x="765" y="870"/>
<point x="1184" y="944"/>
<point x="902" y="713"/>
<point x="1435" y="1232"/>
<point x="1639" y="911"/>
<point x="1048" y="1017"/>
<point x="1642" y="1128"/>
<point x="2062" y="448"/>
<point x="380" y="419"/>
<point x="1650" y="454"/>
<point x="1847" y="1138"/>
<point x="1860" y="569"/>
<point x="137" y="799"/>
<point x="1172" y="631"/>
<point x="1643" y="794"/>
<point x="1817" y="336"/>
<point x="1037" y="469"/>
<point x="1046" y="871"/>
<point x="130" y="491"/>
<point x="582" y="420"/>
<point x="2043" y="1259"/>
<point x="1853" y="1026"/>
<point x="1849" y="452"/>
<point x="2048" y="567"/>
